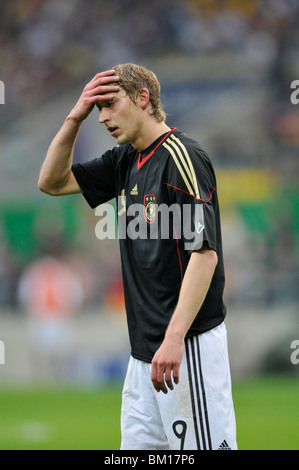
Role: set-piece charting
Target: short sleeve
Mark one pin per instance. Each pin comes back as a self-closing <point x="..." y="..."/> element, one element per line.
<point x="96" y="179"/>
<point x="191" y="184"/>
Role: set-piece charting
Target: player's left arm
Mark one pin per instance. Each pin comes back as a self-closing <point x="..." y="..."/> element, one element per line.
<point x="196" y="283"/>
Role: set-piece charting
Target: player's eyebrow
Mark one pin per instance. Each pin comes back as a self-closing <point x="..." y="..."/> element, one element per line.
<point x="115" y="96"/>
<point x="104" y="104"/>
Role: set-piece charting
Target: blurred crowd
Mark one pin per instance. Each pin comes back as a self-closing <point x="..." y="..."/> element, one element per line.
<point x="50" y="45"/>
<point x="46" y="45"/>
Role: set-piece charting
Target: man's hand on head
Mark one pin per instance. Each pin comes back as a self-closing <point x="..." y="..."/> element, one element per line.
<point x="100" y="88"/>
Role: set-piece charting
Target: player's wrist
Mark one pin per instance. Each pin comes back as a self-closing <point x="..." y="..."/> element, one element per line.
<point x="175" y="333"/>
<point x="73" y="119"/>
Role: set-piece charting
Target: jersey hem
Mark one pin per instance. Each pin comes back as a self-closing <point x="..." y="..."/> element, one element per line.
<point x="192" y="332"/>
<point x="141" y="357"/>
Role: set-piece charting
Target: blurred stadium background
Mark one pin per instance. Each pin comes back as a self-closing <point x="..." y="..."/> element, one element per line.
<point x="225" y="67"/>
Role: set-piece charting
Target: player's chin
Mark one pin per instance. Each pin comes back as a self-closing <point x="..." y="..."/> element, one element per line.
<point x="121" y="139"/>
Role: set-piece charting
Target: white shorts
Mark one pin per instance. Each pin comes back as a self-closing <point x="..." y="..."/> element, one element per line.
<point x="197" y="415"/>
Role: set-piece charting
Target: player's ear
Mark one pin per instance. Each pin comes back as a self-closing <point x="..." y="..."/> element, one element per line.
<point x="143" y="98"/>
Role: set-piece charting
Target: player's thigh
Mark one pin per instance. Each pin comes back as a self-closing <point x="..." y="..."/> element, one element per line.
<point x="141" y="426"/>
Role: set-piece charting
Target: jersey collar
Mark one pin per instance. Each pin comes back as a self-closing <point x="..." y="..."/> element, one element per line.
<point x="140" y="161"/>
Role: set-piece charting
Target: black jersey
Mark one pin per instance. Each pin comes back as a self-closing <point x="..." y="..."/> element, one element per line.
<point x="174" y="184"/>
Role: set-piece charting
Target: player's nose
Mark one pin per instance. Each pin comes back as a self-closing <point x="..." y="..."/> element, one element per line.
<point x="104" y="115"/>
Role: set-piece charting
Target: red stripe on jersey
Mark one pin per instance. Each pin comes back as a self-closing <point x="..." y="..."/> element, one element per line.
<point x="197" y="198"/>
<point x="179" y="256"/>
<point x="141" y="162"/>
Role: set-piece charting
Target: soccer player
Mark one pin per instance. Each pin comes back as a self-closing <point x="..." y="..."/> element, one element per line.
<point x="177" y="391"/>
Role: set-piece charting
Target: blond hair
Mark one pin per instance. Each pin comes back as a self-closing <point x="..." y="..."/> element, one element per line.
<point x="134" y="77"/>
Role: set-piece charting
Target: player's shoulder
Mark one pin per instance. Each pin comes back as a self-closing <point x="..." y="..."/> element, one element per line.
<point x="188" y="146"/>
<point x="120" y="151"/>
<point x="118" y="154"/>
<point x="185" y="139"/>
<point x="111" y="160"/>
<point x="186" y="156"/>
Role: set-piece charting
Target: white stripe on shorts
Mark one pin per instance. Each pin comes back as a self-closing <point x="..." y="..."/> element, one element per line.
<point x="198" y="395"/>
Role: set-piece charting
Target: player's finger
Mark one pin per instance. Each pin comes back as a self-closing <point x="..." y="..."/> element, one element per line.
<point x="100" y="88"/>
<point x="156" y="386"/>
<point x="106" y="73"/>
<point x="157" y="377"/>
<point x="97" y="81"/>
<point x="112" y="81"/>
<point x="168" y="376"/>
<point x="154" y="376"/>
<point x="160" y="379"/>
<point x="101" y="85"/>
<point x="101" y="91"/>
<point x="175" y="373"/>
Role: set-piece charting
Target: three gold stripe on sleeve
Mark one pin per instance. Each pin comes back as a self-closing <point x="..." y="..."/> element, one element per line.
<point x="183" y="162"/>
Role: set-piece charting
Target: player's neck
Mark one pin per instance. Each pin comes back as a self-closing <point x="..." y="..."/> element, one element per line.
<point x="149" y="134"/>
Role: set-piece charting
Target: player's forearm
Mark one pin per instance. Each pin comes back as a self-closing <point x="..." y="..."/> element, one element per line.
<point x="193" y="292"/>
<point x="56" y="168"/>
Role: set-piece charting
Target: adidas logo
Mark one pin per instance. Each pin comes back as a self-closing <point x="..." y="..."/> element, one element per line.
<point x="134" y="191"/>
<point x="224" y="446"/>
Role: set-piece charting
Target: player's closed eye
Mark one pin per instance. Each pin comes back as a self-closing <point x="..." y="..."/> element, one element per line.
<point x="107" y="104"/>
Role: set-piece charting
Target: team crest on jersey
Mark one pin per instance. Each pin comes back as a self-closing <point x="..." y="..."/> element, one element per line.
<point x="149" y="209"/>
